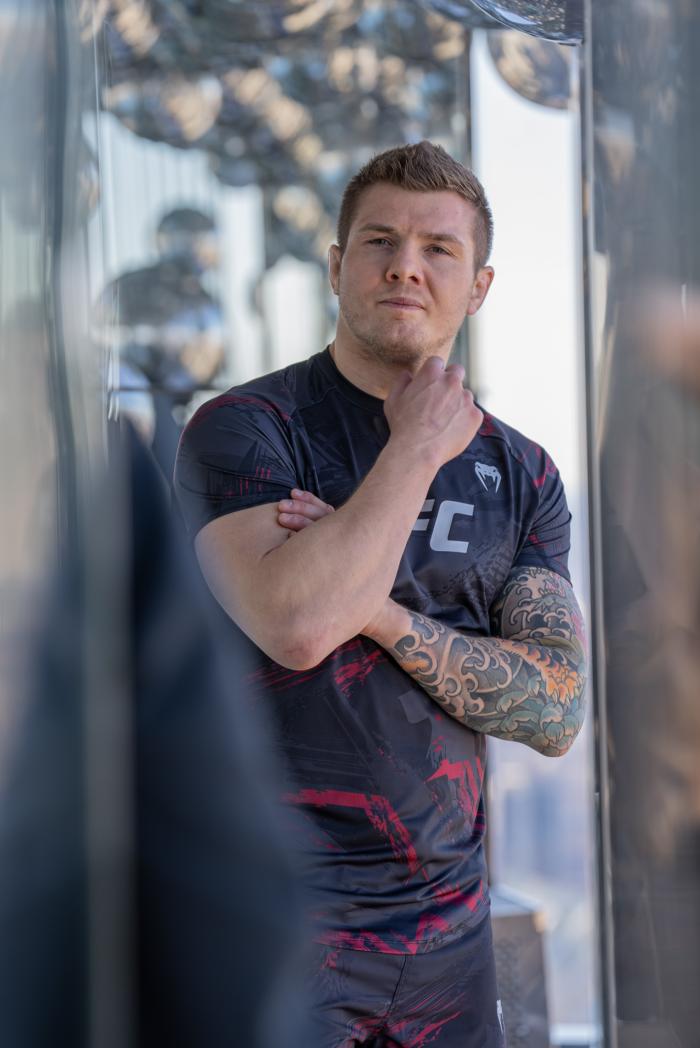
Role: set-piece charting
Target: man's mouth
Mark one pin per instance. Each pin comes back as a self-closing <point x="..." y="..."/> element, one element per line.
<point x="401" y="303"/>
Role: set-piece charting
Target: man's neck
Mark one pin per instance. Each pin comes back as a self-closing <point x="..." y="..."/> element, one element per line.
<point x="362" y="370"/>
<point x="369" y="376"/>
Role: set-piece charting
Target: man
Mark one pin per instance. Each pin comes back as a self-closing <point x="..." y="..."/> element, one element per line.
<point x="431" y="608"/>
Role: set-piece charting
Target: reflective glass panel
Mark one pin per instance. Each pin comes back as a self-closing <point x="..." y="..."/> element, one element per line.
<point x="528" y="369"/>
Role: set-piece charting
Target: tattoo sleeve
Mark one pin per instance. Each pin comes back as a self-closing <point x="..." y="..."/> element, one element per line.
<point x="527" y="682"/>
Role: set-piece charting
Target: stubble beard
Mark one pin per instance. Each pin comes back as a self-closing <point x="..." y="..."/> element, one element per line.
<point x="396" y="352"/>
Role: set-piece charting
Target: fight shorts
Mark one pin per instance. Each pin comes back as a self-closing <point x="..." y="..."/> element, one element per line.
<point x="446" y="998"/>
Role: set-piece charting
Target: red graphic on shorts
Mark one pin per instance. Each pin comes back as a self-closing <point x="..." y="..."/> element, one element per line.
<point x="423" y="1037"/>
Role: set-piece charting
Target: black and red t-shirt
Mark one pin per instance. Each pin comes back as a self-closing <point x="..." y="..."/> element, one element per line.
<point x="387" y="788"/>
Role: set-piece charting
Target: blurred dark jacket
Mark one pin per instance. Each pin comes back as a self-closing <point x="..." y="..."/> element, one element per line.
<point x="215" y="916"/>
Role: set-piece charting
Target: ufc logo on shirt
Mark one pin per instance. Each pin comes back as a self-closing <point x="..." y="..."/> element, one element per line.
<point x="439" y="536"/>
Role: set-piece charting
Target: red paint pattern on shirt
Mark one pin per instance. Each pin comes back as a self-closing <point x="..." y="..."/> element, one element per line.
<point x="468" y="790"/>
<point x="378" y="810"/>
<point x="346" y="674"/>
<point x="356" y="672"/>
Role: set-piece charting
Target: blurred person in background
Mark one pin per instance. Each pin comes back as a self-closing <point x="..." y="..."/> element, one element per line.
<point x="166" y="327"/>
<point x="399" y="561"/>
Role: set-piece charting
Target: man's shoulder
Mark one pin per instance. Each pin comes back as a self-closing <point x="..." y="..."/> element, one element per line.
<point x="278" y="394"/>
<point x="530" y="456"/>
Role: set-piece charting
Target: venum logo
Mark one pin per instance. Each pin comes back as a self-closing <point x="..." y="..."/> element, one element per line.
<point x="440" y="539"/>
<point x="488" y="473"/>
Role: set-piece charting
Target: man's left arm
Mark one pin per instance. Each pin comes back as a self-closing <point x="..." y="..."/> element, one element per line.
<point x="526" y="683"/>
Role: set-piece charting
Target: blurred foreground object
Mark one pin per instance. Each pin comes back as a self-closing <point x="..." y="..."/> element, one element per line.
<point x="642" y="105"/>
<point x="214" y="920"/>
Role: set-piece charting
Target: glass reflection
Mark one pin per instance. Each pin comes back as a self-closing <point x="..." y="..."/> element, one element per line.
<point x="560" y="20"/>
<point x="644" y="272"/>
<point x="538" y="70"/>
<point x="527" y="354"/>
<point x="256" y="118"/>
<point x="283" y="101"/>
<point x="166" y="327"/>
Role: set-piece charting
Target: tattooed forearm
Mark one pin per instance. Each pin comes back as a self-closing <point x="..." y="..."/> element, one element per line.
<point x="527" y="683"/>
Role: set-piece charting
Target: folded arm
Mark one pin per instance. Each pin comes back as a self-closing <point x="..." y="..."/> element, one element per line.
<point x="526" y="684"/>
<point x="298" y="596"/>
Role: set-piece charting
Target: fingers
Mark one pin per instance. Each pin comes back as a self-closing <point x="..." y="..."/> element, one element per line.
<point x="301" y="510"/>
<point x="312" y="500"/>
<point x="402" y="382"/>
<point x="311" y="510"/>
<point x="293" y="521"/>
<point x="430" y="370"/>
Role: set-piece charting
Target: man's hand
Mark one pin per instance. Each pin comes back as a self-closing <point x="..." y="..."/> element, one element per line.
<point x="433" y="411"/>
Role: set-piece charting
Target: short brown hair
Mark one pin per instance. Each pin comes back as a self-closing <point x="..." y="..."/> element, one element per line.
<point x="425" y="168"/>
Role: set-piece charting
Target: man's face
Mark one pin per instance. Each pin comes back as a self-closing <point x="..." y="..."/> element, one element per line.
<point x="406" y="279"/>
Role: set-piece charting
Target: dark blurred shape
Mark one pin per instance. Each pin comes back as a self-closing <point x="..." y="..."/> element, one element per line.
<point x="536" y="69"/>
<point x="644" y="104"/>
<point x="215" y="921"/>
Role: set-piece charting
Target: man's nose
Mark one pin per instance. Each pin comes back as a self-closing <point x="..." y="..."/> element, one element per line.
<point x="404" y="266"/>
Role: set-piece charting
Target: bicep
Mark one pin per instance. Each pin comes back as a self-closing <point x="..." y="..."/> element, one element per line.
<point x="231" y="550"/>
<point x="539" y="606"/>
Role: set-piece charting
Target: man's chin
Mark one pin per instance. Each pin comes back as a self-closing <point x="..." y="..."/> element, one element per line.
<point x="397" y="353"/>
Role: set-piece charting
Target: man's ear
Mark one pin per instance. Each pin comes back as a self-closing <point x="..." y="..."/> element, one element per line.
<point x="334" y="259"/>
<point x="484" y="280"/>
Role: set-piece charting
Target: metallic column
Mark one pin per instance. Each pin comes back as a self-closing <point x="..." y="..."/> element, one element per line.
<point x="640" y="95"/>
<point x="53" y="456"/>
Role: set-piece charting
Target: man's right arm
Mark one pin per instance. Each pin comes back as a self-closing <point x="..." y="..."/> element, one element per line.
<point x="298" y="596"/>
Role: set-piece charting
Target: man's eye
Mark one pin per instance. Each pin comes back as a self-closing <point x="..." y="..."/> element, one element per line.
<point x="379" y="240"/>
<point x="438" y="249"/>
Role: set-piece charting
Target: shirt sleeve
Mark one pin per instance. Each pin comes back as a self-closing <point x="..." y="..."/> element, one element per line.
<point x="548" y="538"/>
<point x="236" y="452"/>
